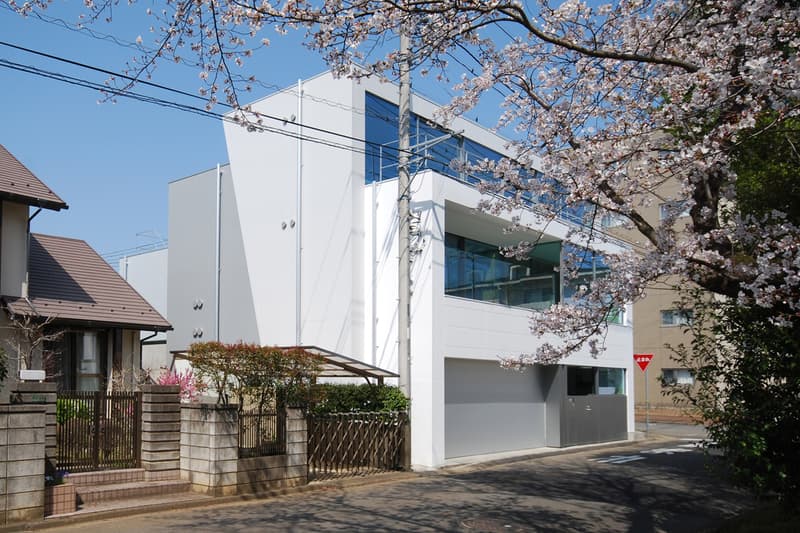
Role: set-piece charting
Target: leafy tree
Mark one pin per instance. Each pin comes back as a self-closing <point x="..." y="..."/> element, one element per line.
<point x="255" y="376"/>
<point x="747" y="369"/>
<point x="610" y="101"/>
<point x="746" y="361"/>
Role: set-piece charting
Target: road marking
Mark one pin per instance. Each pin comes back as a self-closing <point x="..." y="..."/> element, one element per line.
<point x="618" y="459"/>
<point x="665" y="451"/>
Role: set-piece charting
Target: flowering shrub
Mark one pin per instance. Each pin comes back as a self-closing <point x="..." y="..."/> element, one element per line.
<point x="56" y="477"/>
<point x="191" y="387"/>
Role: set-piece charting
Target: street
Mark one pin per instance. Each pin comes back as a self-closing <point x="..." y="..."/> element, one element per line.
<point x="636" y="487"/>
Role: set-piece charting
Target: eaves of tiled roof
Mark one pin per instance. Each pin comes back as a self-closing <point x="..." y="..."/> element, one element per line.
<point x="18" y="184"/>
<point x="71" y="284"/>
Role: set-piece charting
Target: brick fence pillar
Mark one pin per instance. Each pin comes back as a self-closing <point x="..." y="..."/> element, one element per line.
<point x="210" y="448"/>
<point x="161" y="431"/>
<point x="22" y="449"/>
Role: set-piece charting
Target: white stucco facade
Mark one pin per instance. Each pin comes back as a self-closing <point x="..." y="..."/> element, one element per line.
<point x="310" y="248"/>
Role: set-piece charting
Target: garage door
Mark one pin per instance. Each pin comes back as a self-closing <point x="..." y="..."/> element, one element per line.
<point x="489" y="409"/>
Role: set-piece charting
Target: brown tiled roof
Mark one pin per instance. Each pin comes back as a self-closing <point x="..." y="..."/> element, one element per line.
<point x="18" y="184"/>
<point x="71" y="283"/>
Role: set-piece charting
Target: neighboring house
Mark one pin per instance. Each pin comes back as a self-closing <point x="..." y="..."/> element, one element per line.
<point x="295" y="243"/>
<point x="59" y="295"/>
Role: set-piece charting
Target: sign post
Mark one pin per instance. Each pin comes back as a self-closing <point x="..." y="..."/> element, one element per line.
<point x="643" y="359"/>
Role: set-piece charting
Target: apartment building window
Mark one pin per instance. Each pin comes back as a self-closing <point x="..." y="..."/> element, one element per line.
<point x="612" y="220"/>
<point x="479" y="271"/>
<point x="674" y="208"/>
<point x="676" y="317"/>
<point x="677" y="376"/>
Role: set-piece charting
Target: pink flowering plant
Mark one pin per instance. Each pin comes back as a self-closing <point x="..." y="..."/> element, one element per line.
<point x="190" y="386"/>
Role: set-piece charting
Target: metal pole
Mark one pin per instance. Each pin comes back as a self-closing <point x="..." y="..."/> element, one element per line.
<point x="218" y="255"/>
<point x="646" y="404"/>
<point x="298" y="335"/>
<point x="404" y="283"/>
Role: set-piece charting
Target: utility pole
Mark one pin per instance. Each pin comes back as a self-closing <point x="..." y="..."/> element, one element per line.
<point x="404" y="275"/>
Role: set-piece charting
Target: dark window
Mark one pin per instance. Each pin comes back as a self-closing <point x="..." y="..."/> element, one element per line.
<point x="584" y="380"/>
<point x="80" y="360"/>
<point x="580" y="380"/>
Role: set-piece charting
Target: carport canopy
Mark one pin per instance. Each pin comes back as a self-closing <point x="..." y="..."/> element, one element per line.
<point x="334" y="365"/>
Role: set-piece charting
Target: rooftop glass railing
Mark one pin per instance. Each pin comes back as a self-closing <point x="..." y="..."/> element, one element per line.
<point x="445" y="152"/>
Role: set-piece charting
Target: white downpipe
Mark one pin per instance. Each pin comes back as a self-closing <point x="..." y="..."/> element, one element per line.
<point x="217" y="254"/>
<point x="374" y="275"/>
<point x="299" y="225"/>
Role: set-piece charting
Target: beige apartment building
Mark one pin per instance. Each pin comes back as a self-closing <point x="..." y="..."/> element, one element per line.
<point x="657" y="323"/>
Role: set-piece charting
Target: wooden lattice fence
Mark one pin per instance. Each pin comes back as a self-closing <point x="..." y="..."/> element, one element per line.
<point x="343" y="444"/>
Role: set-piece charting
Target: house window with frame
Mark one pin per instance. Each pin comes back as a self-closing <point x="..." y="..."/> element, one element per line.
<point x="677" y="376"/>
<point x="81" y="357"/>
<point x="676" y="317"/>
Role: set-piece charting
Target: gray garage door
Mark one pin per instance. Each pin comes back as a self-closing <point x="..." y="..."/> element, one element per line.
<point x="489" y="409"/>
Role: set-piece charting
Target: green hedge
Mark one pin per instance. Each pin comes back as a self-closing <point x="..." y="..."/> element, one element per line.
<point x="350" y="398"/>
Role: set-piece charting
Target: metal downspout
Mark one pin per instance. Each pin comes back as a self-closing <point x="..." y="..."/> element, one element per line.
<point x="299" y="225"/>
<point x="217" y="255"/>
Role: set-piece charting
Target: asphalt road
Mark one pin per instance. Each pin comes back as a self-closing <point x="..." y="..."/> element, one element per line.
<point x="637" y="487"/>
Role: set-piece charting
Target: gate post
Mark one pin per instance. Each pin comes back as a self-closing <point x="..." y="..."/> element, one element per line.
<point x="296" y="445"/>
<point x="22" y="446"/>
<point x="161" y="432"/>
<point x="40" y="393"/>
<point x="210" y="448"/>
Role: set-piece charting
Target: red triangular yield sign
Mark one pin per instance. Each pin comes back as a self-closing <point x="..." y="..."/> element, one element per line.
<point x="642" y="359"/>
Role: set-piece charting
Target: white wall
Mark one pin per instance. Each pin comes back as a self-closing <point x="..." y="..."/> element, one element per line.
<point x="349" y="243"/>
<point x="147" y="273"/>
<point x="14" y="242"/>
<point x="448" y="327"/>
<point x="267" y="180"/>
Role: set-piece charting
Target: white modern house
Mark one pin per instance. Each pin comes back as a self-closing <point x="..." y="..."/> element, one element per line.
<point x="294" y="242"/>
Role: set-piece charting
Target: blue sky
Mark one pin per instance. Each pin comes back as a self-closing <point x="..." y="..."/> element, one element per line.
<point x="112" y="162"/>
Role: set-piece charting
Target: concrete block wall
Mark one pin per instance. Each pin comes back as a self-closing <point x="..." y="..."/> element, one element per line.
<point x="161" y="432"/>
<point x="22" y="461"/>
<point x="210" y="453"/>
<point x="209" y="449"/>
<point x="45" y="394"/>
<point x="257" y="474"/>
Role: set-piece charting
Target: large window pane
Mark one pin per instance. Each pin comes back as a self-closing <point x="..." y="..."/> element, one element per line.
<point x="480" y="271"/>
<point x="611" y="381"/>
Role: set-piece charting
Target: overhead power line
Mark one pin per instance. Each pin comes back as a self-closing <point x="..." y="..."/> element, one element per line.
<point x="124" y="92"/>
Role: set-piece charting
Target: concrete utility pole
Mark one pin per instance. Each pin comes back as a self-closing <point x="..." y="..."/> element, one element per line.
<point x="404" y="274"/>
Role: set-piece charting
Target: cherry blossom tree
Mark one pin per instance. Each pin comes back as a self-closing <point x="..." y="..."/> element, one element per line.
<point x="610" y="101"/>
